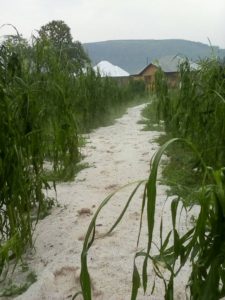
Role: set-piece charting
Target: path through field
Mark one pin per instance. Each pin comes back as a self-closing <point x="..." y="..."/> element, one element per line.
<point x="117" y="154"/>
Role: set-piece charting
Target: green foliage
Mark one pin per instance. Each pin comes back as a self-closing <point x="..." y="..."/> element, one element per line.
<point x="137" y="87"/>
<point x="44" y="107"/>
<point x="149" y="116"/>
<point x="195" y="111"/>
<point x="102" y="97"/>
<point x="59" y="35"/>
<point x="57" y="32"/>
<point x="162" y="95"/>
<point x="36" y="124"/>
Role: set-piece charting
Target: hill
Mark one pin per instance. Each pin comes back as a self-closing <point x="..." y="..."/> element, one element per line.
<point x="134" y="55"/>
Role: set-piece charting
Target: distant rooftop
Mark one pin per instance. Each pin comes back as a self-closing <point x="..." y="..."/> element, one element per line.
<point x="105" y="68"/>
<point x="170" y="63"/>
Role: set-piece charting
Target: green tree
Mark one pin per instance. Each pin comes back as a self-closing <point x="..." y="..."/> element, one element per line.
<point x="58" y="32"/>
<point x="59" y="35"/>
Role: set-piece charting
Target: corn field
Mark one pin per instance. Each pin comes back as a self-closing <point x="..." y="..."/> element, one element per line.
<point x="193" y="115"/>
<point x="44" y="107"/>
<point x="195" y="111"/>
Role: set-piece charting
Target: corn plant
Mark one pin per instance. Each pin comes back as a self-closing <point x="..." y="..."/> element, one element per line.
<point x="36" y="125"/>
<point x="195" y="111"/>
<point x="96" y="99"/>
<point x="44" y="106"/>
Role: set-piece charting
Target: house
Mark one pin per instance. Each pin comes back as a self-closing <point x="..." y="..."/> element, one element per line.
<point x="170" y="67"/>
<point x="148" y="76"/>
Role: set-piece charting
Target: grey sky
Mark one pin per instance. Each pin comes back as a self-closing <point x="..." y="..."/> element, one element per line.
<point x="98" y="20"/>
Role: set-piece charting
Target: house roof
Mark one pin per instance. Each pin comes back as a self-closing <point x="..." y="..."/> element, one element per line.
<point x="169" y="64"/>
<point x="105" y="68"/>
<point x="145" y="68"/>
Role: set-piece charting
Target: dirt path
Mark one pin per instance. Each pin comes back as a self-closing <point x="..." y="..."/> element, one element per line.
<point x="117" y="154"/>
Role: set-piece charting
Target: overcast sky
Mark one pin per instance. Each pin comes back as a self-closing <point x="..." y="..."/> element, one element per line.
<point x="99" y="20"/>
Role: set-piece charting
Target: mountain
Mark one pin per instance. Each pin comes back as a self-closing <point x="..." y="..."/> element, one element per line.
<point x="134" y="55"/>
